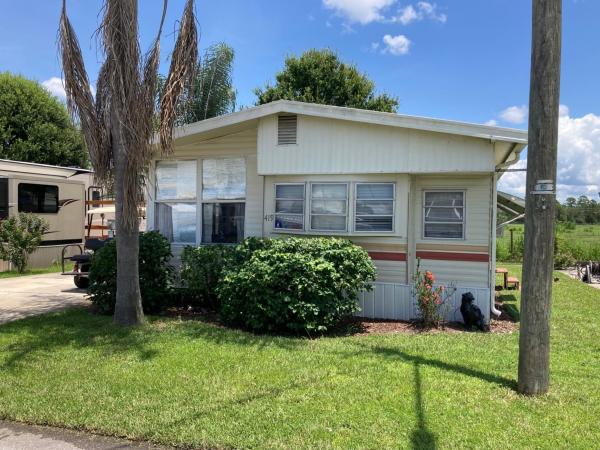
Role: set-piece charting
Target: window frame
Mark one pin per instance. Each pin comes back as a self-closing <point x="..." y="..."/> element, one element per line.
<point x="275" y="198"/>
<point x="464" y="217"/>
<point x="193" y="201"/>
<point x="346" y="229"/>
<point x="54" y="211"/>
<point x="393" y="215"/>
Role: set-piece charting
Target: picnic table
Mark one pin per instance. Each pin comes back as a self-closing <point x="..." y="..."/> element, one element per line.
<point x="504" y="273"/>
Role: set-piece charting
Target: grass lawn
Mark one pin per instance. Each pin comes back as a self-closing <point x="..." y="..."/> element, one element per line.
<point x="194" y="384"/>
<point x="13" y="273"/>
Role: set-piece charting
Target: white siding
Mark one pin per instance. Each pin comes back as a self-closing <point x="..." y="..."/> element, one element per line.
<point x="395" y="301"/>
<point x="331" y="146"/>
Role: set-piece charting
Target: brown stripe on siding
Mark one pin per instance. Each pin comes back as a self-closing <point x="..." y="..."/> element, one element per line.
<point x="388" y="256"/>
<point x="453" y="248"/>
<point x="449" y="256"/>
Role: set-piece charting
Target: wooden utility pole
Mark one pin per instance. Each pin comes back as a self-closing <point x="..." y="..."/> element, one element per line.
<point x="534" y="339"/>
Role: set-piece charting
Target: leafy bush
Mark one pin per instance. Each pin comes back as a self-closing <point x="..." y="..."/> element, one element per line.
<point x="201" y="270"/>
<point x="294" y="284"/>
<point x="431" y="301"/>
<point x="156" y="275"/>
<point x="19" y="237"/>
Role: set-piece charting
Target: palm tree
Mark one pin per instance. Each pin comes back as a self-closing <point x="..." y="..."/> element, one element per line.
<point x="118" y="123"/>
<point x="211" y="93"/>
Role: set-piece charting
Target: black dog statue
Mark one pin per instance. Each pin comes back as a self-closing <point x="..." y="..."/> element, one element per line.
<point x="472" y="315"/>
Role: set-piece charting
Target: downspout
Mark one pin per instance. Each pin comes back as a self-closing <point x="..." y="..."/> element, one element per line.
<point x="492" y="275"/>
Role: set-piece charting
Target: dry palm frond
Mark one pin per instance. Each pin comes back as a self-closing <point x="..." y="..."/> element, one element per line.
<point x="181" y="74"/>
<point x="118" y="125"/>
<point x="80" y="100"/>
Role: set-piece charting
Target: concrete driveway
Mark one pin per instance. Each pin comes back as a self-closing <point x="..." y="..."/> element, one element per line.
<point x="37" y="294"/>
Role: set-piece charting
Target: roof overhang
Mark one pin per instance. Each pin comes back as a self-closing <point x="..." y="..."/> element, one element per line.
<point x="247" y="116"/>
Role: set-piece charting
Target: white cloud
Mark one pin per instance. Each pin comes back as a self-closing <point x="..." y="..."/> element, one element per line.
<point x="359" y="11"/>
<point x="515" y="114"/>
<point x="56" y="87"/>
<point x="396" y="45"/>
<point x="423" y="10"/>
<point x="578" y="159"/>
<point x="407" y="15"/>
<point x="492" y="123"/>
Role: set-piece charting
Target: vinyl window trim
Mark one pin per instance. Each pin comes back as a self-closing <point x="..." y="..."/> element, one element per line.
<point x="464" y="218"/>
<point x="393" y="215"/>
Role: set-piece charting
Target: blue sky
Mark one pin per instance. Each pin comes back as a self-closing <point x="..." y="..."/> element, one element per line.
<point x="456" y="59"/>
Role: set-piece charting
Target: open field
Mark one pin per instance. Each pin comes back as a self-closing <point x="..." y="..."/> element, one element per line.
<point x="196" y="384"/>
<point x="583" y="242"/>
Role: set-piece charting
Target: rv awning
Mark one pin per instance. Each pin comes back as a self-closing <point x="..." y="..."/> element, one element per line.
<point x="511" y="203"/>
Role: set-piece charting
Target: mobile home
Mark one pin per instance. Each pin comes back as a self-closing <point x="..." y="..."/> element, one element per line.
<point x="56" y="194"/>
<point x="404" y="188"/>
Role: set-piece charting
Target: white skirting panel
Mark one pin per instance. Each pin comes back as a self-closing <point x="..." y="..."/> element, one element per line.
<point x="395" y="301"/>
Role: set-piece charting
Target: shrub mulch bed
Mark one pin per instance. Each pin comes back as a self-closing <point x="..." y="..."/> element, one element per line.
<point x="360" y="326"/>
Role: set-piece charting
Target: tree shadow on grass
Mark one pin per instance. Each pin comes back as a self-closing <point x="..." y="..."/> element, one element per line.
<point x="392" y="353"/>
<point x="421" y="437"/>
<point x="76" y="328"/>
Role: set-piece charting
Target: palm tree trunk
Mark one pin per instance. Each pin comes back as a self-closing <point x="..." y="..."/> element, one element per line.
<point x="128" y="308"/>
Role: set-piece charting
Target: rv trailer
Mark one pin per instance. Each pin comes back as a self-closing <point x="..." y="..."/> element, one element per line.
<point x="56" y="194"/>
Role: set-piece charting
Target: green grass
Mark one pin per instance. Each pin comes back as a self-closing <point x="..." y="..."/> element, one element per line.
<point x="194" y="384"/>
<point x="55" y="268"/>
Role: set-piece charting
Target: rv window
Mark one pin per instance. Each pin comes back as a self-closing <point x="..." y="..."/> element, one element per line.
<point x="38" y="198"/>
<point x="3" y="198"/>
<point x="374" y="207"/>
<point x="444" y="215"/>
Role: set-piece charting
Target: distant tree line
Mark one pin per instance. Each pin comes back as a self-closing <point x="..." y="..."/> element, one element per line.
<point x="582" y="210"/>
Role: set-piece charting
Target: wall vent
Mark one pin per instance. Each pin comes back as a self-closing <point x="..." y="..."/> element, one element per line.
<point x="287" y="129"/>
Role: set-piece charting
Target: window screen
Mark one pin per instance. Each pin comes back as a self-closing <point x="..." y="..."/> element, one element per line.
<point x="374" y="207"/>
<point x="329" y="206"/>
<point x="38" y="198"/>
<point x="443" y="215"/>
<point x="289" y="206"/>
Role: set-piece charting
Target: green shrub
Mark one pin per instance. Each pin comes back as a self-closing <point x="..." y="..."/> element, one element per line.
<point x="201" y="270"/>
<point x="294" y="284"/>
<point x="156" y="276"/>
<point x="19" y="237"/>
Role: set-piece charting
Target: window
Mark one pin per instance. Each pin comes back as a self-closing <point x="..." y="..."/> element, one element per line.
<point x="175" y="211"/>
<point x="374" y="207"/>
<point x="3" y="198"/>
<point x="444" y="215"/>
<point x="223" y="200"/>
<point x="289" y="206"/>
<point x="328" y="206"/>
<point x="38" y="198"/>
<point x="287" y="129"/>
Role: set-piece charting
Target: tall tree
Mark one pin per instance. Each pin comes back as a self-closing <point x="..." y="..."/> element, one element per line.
<point x="318" y="76"/>
<point x="35" y="126"/>
<point x="534" y="339"/>
<point x="118" y="124"/>
<point x="212" y="93"/>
